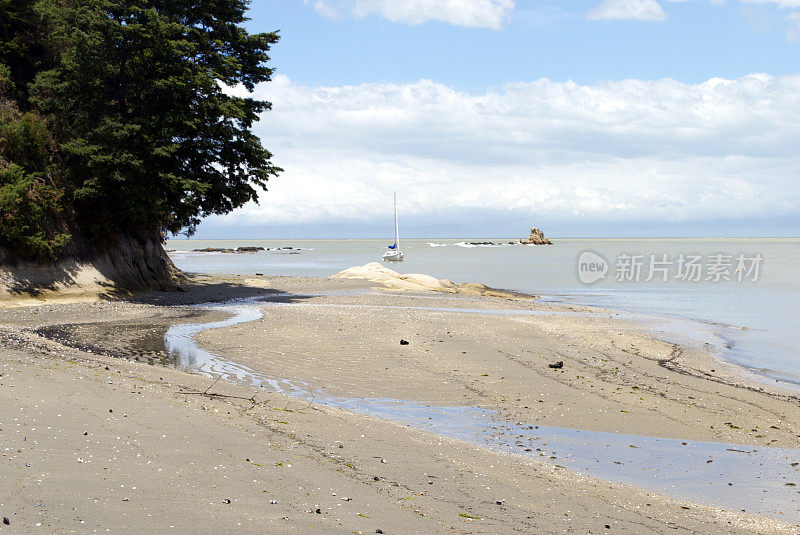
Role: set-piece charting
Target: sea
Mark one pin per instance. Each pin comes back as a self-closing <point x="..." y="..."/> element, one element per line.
<point x="743" y="293"/>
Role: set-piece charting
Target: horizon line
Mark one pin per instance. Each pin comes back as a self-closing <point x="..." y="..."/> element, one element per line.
<point x="500" y="238"/>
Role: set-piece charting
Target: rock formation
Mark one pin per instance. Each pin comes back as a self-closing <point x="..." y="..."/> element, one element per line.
<point x="415" y="282"/>
<point x="225" y="250"/>
<point x="84" y="275"/>
<point x="536" y="237"/>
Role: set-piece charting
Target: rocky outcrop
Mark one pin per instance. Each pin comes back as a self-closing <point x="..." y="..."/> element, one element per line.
<point x="416" y="282"/>
<point x="224" y="250"/>
<point x="130" y="265"/>
<point x="536" y="237"/>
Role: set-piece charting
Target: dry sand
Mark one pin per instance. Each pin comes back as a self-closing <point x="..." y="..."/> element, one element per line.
<point x="94" y="440"/>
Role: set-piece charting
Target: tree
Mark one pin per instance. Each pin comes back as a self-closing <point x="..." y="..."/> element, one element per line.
<point x="134" y="95"/>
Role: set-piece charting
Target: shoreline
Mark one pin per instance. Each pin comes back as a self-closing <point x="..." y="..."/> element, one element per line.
<point x="500" y="435"/>
<point x="763" y="377"/>
<point x="309" y="332"/>
<point x="766" y="343"/>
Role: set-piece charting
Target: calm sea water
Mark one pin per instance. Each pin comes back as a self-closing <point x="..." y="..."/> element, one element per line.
<point x="756" y="319"/>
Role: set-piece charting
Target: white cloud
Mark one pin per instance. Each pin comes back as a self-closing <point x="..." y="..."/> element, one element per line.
<point x="468" y="13"/>
<point x="794" y="27"/>
<point x="779" y="3"/>
<point x="633" y="149"/>
<point x="793" y="19"/>
<point x="627" y="9"/>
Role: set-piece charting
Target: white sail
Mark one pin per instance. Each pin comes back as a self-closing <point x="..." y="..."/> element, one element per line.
<point x="394" y="254"/>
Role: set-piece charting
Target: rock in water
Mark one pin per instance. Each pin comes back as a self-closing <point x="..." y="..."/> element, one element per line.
<point x="226" y="250"/>
<point x="536" y="237"/>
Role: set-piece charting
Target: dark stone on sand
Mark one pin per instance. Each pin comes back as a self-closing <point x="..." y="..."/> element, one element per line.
<point x="558" y="365"/>
<point x="403" y="342"/>
<point x="318" y="511"/>
<point x="226" y="500"/>
<point x="6" y="521"/>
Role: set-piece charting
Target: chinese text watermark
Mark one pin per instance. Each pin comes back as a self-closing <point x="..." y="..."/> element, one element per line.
<point x="719" y="267"/>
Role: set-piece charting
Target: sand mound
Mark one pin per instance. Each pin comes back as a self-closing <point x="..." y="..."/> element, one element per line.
<point x="417" y="282"/>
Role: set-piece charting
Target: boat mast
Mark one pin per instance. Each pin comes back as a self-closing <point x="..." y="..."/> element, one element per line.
<point x="396" y="228"/>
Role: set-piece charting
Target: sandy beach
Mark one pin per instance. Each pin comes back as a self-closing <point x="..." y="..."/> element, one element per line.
<point x="98" y="432"/>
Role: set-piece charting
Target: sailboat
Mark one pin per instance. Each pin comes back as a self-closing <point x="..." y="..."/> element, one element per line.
<point x="394" y="254"/>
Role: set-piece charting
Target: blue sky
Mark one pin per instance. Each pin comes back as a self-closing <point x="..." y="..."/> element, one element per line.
<point x="588" y="118"/>
<point x="541" y="39"/>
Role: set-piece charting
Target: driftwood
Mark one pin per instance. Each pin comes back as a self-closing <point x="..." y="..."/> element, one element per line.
<point x="206" y="392"/>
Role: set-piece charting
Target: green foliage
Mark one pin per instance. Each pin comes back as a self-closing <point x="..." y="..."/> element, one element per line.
<point x="23" y="49"/>
<point x="141" y="134"/>
<point x="27" y="205"/>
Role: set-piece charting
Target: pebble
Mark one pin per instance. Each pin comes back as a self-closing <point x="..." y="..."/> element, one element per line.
<point x="404" y="342"/>
<point x="6" y="521"/>
<point x="226" y="500"/>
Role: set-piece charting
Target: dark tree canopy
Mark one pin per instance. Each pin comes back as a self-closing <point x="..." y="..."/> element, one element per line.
<point x="114" y="118"/>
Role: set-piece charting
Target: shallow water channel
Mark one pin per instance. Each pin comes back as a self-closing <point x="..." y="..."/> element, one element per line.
<point x="757" y="480"/>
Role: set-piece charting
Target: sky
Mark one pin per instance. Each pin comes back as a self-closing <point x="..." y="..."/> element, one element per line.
<point x="587" y="118"/>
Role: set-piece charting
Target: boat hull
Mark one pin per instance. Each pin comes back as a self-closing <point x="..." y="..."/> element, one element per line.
<point x="392" y="256"/>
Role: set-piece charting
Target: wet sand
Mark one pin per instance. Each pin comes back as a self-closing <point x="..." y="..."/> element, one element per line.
<point x="186" y="452"/>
